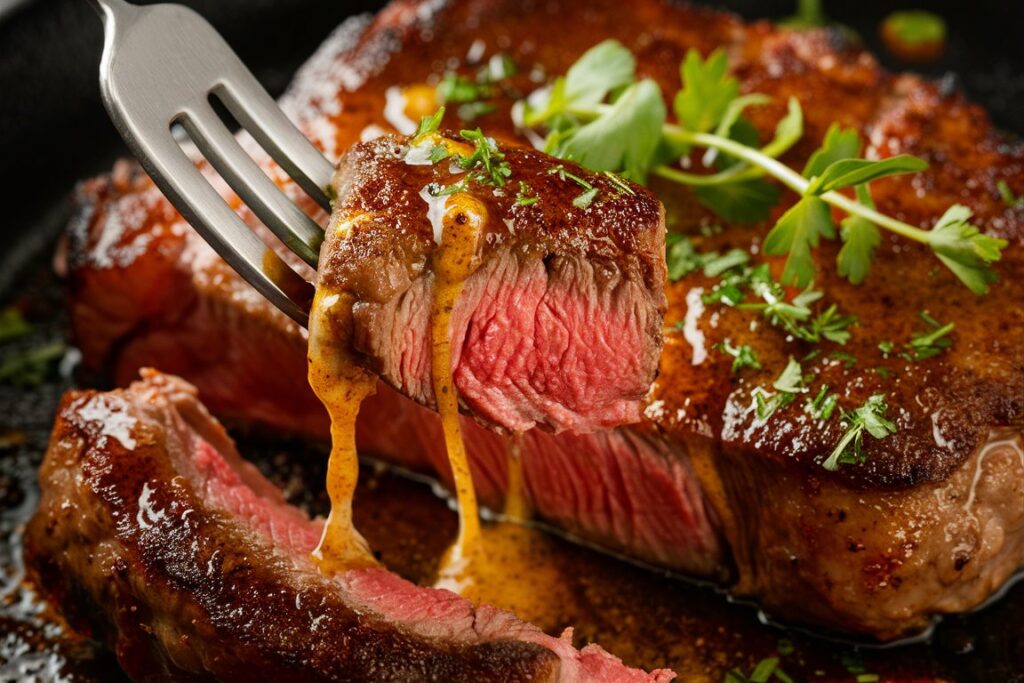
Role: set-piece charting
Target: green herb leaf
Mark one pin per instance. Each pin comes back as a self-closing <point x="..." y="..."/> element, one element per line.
<point x="525" y="195"/>
<point x="707" y="90"/>
<point x="860" y="239"/>
<point x="743" y="356"/>
<point x="791" y="381"/>
<point x="1012" y="200"/>
<point x="585" y="198"/>
<point x="850" y="172"/>
<point x="438" y="153"/>
<point x="681" y="258"/>
<point x="822" y="406"/>
<point x="30" y="368"/>
<point x="12" y="324"/>
<point x="715" y="265"/>
<point x="487" y="163"/>
<point x="830" y="325"/>
<point x="838" y="144"/>
<point x="459" y="89"/>
<point x="622" y="186"/>
<point x="964" y="249"/>
<point x="625" y="138"/>
<point x="429" y="124"/>
<point x="607" y="66"/>
<point x="764" y="670"/>
<point x="928" y="344"/>
<point x="796" y="234"/>
<point x="809" y="14"/>
<point x="870" y="418"/>
<point x="750" y="201"/>
<point x="914" y="27"/>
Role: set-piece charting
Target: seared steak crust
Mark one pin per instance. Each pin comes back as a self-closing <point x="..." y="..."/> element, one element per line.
<point x="557" y="286"/>
<point x="153" y="532"/>
<point x="947" y="408"/>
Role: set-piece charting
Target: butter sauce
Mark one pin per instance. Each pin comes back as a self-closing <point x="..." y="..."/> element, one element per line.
<point x="454" y="261"/>
<point x="341" y="386"/>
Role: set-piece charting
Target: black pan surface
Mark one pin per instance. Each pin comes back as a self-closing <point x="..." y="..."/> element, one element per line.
<point x="53" y="132"/>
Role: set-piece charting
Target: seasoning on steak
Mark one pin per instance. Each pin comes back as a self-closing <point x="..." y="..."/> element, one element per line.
<point x="155" y="535"/>
<point x="931" y="523"/>
<point x="560" y="323"/>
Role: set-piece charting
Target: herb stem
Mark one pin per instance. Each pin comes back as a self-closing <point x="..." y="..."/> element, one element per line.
<point x="791" y="179"/>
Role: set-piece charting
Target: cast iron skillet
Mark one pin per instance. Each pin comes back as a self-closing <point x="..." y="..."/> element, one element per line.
<point x="53" y="132"/>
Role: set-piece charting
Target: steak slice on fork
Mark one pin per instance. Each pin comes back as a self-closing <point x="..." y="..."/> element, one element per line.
<point x="559" y="325"/>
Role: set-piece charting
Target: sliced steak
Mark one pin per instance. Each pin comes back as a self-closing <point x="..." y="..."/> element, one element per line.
<point x="152" y="530"/>
<point x="931" y="523"/>
<point x="560" y="323"/>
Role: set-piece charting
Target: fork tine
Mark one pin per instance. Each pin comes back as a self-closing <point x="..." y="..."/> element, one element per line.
<point x="261" y="116"/>
<point x="221" y="227"/>
<point x="299" y="232"/>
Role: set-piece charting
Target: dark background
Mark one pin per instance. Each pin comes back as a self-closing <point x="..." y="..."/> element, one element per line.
<point x="54" y="131"/>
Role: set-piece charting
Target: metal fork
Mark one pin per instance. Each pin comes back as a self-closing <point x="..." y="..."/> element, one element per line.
<point x="162" y="66"/>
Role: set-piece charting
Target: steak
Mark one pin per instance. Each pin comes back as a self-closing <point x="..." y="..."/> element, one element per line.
<point x="931" y="523"/>
<point x="155" y="535"/>
<point x="559" y="325"/>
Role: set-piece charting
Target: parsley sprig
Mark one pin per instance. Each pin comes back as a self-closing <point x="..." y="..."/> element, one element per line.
<point x="602" y="116"/>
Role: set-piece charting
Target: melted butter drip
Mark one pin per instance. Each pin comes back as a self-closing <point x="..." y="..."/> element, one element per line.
<point x="341" y="386"/>
<point x="515" y="498"/>
<point x="454" y="261"/>
<point x="504" y="564"/>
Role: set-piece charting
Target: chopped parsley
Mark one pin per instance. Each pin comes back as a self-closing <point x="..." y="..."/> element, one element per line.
<point x="460" y="89"/>
<point x="429" y="124"/>
<point x="929" y="343"/>
<point x="473" y="95"/>
<point x="12" y="324"/>
<point x="1013" y="201"/>
<point x="525" y="196"/>
<point x="795" y="316"/>
<point x="31" y="367"/>
<point x="680" y="255"/>
<point x="925" y="344"/>
<point x="823" y="405"/>
<point x="847" y="359"/>
<point x="869" y="417"/>
<point x="487" y="163"/>
<point x="788" y="384"/>
<point x="589" y="193"/>
<point x="764" y="671"/>
<point x="620" y="184"/>
<point x="743" y="355"/>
